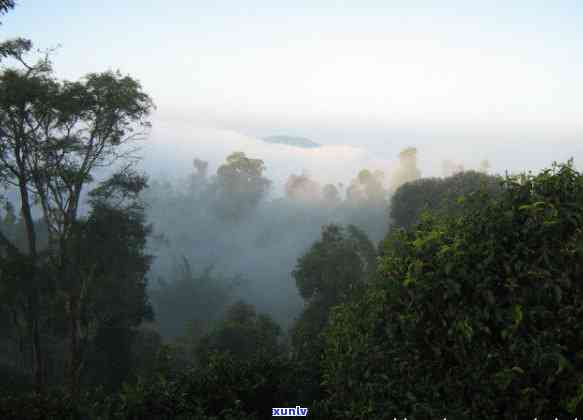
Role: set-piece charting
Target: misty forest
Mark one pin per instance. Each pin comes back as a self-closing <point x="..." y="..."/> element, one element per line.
<point x="223" y="293"/>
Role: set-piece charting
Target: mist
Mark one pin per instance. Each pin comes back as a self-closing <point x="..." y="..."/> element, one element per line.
<point x="265" y="247"/>
<point x="309" y="188"/>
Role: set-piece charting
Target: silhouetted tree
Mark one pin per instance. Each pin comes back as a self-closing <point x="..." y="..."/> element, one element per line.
<point x="188" y="303"/>
<point x="334" y="268"/>
<point x="331" y="195"/>
<point x="243" y="333"/>
<point x="239" y="186"/>
<point x="54" y="136"/>
<point x="303" y="189"/>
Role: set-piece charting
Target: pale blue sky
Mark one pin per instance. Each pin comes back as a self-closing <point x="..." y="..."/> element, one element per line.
<point x="352" y="72"/>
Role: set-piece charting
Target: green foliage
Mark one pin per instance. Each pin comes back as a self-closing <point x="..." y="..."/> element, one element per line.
<point x="55" y="134"/>
<point x="437" y="195"/>
<point x="239" y="186"/>
<point x="334" y="268"/>
<point x="110" y="252"/>
<point x="476" y="316"/>
<point x="243" y="334"/>
<point x="62" y="132"/>
<point x="15" y="48"/>
<point x="38" y="407"/>
<point x="190" y="300"/>
<point x="226" y="388"/>
<point x="335" y="264"/>
<point x="106" y="254"/>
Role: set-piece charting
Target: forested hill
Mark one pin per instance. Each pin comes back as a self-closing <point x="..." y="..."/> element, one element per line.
<point x="292" y="141"/>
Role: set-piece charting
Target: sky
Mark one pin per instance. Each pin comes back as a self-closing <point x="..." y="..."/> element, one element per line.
<point x="460" y="80"/>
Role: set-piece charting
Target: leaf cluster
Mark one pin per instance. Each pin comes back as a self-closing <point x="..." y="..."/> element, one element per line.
<point x="476" y="315"/>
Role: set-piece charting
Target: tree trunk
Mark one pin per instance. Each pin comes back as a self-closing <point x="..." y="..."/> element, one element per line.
<point x="38" y="373"/>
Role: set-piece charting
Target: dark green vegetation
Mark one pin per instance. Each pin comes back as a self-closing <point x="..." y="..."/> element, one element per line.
<point x="469" y="307"/>
<point x="475" y="315"/>
<point x="438" y="195"/>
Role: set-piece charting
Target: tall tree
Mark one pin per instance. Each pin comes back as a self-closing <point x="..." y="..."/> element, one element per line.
<point x="339" y="261"/>
<point x="12" y="47"/>
<point x="336" y="266"/>
<point x="330" y="195"/>
<point x="107" y="251"/>
<point x="366" y="203"/>
<point x="302" y="188"/>
<point x="54" y="136"/>
<point x="407" y="169"/>
<point x="367" y="187"/>
<point x="239" y="186"/>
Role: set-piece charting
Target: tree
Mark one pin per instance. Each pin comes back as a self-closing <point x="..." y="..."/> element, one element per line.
<point x="436" y="195"/>
<point x="303" y="189"/>
<point x="367" y="187"/>
<point x="198" y="179"/>
<point x="107" y="251"/>
<point x="15" y="289"/>
<point x="407" y="170"/>
<point x="334" y="269"/>
<point x="239" y="186"/>
<point x="339" y="261"/>
<point x="191" y="302"/>
<point x="366" y="203"/>
<point x="335" y="266"/>
<point x="475" y="316"/>
<point x="331" y="195"/>
<point x="243" y="333"/>
<point x="15" y="47"/>
<point x="55" y="135"/>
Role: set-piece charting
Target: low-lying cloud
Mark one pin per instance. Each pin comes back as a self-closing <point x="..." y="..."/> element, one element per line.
<point x="171" y="149"/>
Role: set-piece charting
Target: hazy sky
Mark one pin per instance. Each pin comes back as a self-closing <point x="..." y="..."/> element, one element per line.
<point x="480" y="79"/>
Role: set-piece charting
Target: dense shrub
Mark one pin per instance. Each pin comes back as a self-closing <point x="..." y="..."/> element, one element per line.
<point x="243" y="333"/>
<point x="226" y="388"/>
<point x="476" y="316"/>
<point x="438" y="195"/>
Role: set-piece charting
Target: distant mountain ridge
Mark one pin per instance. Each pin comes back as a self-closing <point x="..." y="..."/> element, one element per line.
<point x="292" y="141"/>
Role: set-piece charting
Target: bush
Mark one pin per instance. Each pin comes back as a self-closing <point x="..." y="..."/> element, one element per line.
<point x="243" y="333"/>
<point x="476" y="316"/>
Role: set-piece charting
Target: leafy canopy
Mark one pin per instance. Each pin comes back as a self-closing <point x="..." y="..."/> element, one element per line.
<point x="476" y="315"/>
<point x="239" y="186"/>
<point x="243" y="334"/>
